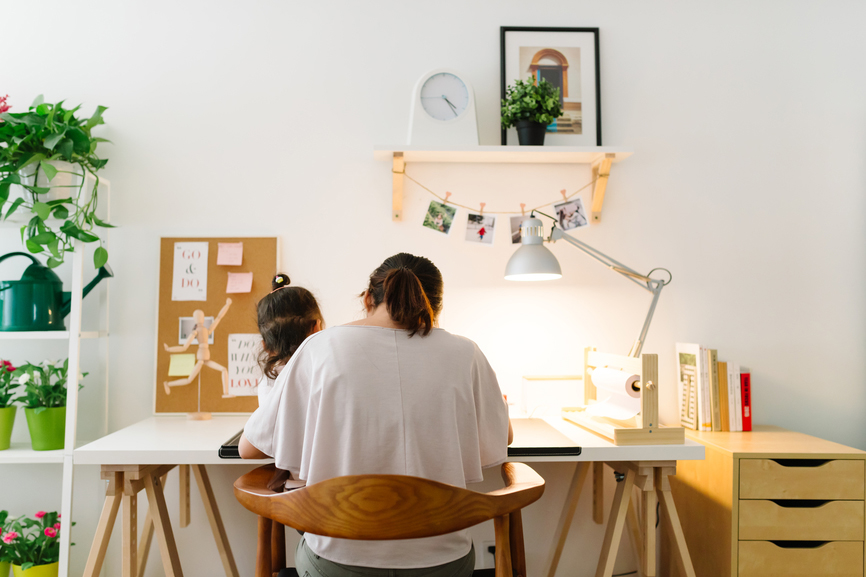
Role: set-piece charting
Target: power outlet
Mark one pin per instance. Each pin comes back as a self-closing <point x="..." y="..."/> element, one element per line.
<point x="486" y="552"/>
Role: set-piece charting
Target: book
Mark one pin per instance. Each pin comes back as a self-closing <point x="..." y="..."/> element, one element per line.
<point x="704" y="403"/>
<point x="736" y="407"/>
<point x="746" y="388"/>
<point x="687" y="371"/>
<point x="724" y="398"/>
<point x="713" y="384"/>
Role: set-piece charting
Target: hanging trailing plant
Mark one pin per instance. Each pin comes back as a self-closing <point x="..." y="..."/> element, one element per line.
<point x="36" y="140"/>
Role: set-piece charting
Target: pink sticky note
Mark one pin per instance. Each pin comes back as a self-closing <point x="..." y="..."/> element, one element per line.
<point x="230" y="253"/>
<point x="239" y="282"/>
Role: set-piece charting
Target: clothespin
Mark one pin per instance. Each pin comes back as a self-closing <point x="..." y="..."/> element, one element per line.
<point x="564" y="194"/>
<point x="447" y="194"/>
<point x="483" y="204"/>
<point x="522" y="209"/>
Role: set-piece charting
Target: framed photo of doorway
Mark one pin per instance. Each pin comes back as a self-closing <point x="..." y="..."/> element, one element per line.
<point x="568" y="59"/>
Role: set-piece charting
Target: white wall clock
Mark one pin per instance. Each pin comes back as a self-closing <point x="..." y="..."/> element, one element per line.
<point x="443" y="111"/>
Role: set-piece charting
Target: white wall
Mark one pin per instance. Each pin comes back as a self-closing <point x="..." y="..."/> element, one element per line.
<point x="747" y="120"/>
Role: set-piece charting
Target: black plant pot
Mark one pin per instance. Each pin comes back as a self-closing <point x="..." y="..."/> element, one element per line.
<point x="530" y="132"/>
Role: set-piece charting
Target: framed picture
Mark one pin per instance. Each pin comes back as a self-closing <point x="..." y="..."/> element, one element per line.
<point x="568" y="59"/>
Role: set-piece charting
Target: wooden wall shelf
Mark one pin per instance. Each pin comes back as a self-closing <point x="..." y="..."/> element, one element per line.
<point x="600" y="157"/>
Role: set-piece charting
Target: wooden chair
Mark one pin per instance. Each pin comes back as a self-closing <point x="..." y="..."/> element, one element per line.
<point x="388" y="507"/>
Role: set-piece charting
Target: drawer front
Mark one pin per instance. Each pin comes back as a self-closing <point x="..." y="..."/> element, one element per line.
<point x="834" y="559"/>
<point x="830" y="521"/>
<point x="768" y="479"/>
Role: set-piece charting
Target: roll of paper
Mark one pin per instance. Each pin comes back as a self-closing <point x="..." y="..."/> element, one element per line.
<point x="617" y="394"/>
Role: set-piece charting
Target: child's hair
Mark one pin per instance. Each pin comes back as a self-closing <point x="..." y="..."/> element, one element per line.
<point x="286" y="317"/>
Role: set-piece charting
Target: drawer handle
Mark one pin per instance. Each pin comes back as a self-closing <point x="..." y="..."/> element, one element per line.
<point x="799" y="503"/>
<point x="801" y="462"/>
<point x="799" y="544"/>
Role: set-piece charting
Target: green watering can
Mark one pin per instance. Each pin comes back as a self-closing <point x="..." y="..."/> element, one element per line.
<point x="37" y="302"/>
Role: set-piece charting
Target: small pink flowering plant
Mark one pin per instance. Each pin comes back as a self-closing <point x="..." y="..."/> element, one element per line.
<point x="7" y="383"/>
<point x="30" y="542"/>
<point x="44" y="384"/>
<point x="3" y="106"/>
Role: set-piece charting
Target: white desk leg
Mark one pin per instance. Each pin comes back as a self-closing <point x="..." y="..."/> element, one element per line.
<point x="613" y="532"/>
<point x="574" y="489"/>
<point x="216" y="522"/>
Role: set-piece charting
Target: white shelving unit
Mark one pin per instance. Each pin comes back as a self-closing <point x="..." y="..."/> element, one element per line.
<point x="600" y="157"/>
<point x="22" y="453"/>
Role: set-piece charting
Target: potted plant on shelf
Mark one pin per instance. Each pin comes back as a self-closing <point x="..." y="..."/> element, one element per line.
<point x="32" y="546"/>
<point x="530" y="107"/>
<point x="45" y="155"/>
<point x="4" y="554"/>
<point x="45" y="402"/>
<point x="7" y="409"/>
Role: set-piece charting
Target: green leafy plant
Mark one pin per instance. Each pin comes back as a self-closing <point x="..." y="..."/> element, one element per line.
<point x="4" y="552"/>
<point x="526" y="100"/>
<point x="7" y="383"/>
<point x="44" y="384"/>
<point x="46" y="133"/>
<point x="29" y="542"/>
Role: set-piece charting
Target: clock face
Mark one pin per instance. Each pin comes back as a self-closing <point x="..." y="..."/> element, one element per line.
<point x="444" y="96"/>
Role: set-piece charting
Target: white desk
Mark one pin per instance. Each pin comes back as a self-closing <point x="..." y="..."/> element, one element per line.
<point x="138" y="457"/>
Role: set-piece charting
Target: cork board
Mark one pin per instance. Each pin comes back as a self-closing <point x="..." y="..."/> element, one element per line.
<point x="260" y="258"/>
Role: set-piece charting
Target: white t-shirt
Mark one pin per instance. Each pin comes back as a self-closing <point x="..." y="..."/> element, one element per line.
<point x="357" y="400"/>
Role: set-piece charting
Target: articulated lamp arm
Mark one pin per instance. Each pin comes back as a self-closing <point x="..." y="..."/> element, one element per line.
<point x="644" y="281"/>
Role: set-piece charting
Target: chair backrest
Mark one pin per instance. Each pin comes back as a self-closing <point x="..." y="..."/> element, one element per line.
<point x="386" y="506"/>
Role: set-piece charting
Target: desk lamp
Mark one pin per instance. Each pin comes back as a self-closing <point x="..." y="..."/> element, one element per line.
<point x="533" y="261"/>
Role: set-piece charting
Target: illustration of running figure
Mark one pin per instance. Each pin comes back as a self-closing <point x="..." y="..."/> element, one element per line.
<point x="202" y="333"/>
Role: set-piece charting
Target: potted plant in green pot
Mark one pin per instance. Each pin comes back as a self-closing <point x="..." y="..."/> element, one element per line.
<point x="45" y="155"/>
<point x="530" y="107"/>
<point x="7" y="409"/>
<point x="32" y="546"/>
<point x="45" y="402"/>
<point x="5" y="555"/>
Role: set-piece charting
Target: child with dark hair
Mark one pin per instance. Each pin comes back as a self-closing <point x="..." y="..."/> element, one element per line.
<point x="286" y="317"/>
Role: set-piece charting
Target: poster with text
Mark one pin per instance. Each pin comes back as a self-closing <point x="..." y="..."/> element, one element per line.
<point x="189" y="274"/>
<point x="244" y="371"/>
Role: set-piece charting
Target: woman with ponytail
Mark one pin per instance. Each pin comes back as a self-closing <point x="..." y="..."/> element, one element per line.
<point x="389" y="394"/>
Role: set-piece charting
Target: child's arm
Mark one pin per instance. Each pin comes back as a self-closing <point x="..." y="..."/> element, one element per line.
<point x="182" y="348"/>
<point x="220" y="316"/>
<point x="248" y="451"/>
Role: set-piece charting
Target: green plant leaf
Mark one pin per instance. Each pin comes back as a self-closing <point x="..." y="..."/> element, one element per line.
<point x="42" y="210"/>
<point x="12" y="178"/>
<point x="49" y="170"/>
<point x="42" y="109"/>
<point x="99" y="222"/>
<point x="100" y="257"/>
<point x="37" y="101"/>
<point x="80" y="141"/>
<point x="54" y="262"/>
<point x="60" y="212"/>
<point x="4" y="192"/>
<point x="96" y="119"/>
<point x="44" y="237"/>
<point x="65" y="148"/>
<point x="54" y="248"/>
<point x="33" y="247"/>
<point x="38" y="189"/>
<point x="38" y="157"/>
<point x="52" y="140"/>
<point x="15" y="204"/>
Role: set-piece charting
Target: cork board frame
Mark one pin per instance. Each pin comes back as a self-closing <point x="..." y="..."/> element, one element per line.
<point x="261" y="258"/>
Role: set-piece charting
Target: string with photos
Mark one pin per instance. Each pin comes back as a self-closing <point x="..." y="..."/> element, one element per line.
<point x="522" y="210"/>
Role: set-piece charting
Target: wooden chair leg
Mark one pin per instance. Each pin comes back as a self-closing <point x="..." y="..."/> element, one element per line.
<point x="263" y="549"/>
<point x="615" y="523"/>
<point x="216" y="522"/>
<point x="562" y="527"/>
<point x="103" y="529"/>
<point x="162" y="527"/>
<point x="518" y="553"/>
<point x="503" y="548"/>
<point x="278" y="547"/>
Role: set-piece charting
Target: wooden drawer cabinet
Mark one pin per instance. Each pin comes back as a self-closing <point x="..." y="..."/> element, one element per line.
<point x="771" y="503"/>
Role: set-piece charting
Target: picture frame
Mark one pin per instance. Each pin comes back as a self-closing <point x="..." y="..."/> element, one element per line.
<point x="569" y="59"/>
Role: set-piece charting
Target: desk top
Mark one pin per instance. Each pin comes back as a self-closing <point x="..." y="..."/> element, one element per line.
<point x="178" y="440"/>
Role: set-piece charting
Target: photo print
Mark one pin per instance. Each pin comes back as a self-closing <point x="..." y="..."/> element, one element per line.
<point x="516" y="221"/>
<point x="571" y="214"/>
<point x="187" y="324"/>
<point x="479" y="228"/>
<point x="440" y="216"/>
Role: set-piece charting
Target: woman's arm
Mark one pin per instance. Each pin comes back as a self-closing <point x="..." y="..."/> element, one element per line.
<point x="248" y="451"/>
<point x="510" y="432"/>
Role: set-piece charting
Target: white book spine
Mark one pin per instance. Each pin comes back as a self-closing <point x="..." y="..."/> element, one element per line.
<point x="706" y="399"/>
<point x="738" y="396"/>
<point x="732" y="399"/>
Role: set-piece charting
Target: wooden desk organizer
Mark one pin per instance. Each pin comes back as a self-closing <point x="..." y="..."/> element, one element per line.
<point x="644" y="429"/>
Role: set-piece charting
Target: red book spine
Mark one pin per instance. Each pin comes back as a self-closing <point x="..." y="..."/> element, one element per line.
<point x="746" y="389"/>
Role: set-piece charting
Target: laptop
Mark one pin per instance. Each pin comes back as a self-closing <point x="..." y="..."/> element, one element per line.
<point x="532" y="438"/>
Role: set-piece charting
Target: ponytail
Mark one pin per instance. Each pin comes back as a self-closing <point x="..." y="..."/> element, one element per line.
<point x="406" y="302"/>
<point x="411" y="288"/>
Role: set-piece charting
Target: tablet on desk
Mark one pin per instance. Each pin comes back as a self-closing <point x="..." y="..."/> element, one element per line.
<point x="532" y="437"/>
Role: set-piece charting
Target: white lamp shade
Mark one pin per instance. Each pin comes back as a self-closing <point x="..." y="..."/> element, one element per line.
<point x="532" y="262"/>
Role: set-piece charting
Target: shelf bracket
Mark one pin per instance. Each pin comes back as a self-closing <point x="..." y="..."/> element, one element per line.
<point x="397" y="171"/>
<point x="600" y="173"/>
